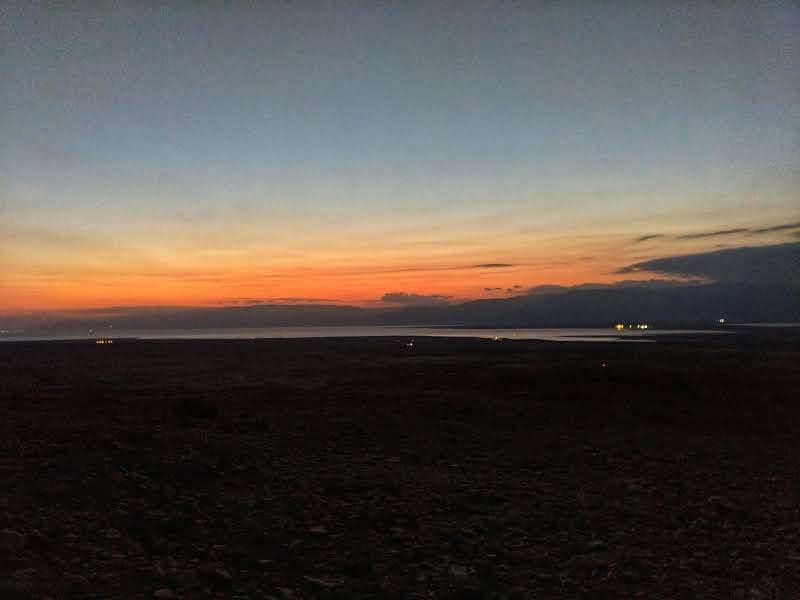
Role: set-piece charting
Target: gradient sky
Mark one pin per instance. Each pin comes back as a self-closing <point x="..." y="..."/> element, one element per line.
<point x="161" y="154"/>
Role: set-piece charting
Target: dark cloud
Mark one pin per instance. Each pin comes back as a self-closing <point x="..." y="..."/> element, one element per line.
<point x="406" y="299"/>
<point x="491" y="266"/>
<point x="492" y="289"/>
<point x="705" y="234"/>
<point x="517" y="287"/>
<point x="761" y="264"/>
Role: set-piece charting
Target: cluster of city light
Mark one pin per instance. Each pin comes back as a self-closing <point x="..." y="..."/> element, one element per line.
<point x="621" y="326"/>
<point x="104" y="341"/>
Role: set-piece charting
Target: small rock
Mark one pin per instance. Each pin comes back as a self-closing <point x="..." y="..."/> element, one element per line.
<point x="459" y="574"/>
<point x="596" y="546"/>
<point x="325" y="582"/>
<point x="25" y="574"/>
<point x="12" y="540"/>
<point x="134" y="547"/>
<point x="318" y="530"/>
<point x="76" y="583"/>
<point x="10" y="590"/>
<point x="39" y="540"/>
<point x="722" y="502"/>
<point x="164" y="594"/>
<point x="217" y="573"/>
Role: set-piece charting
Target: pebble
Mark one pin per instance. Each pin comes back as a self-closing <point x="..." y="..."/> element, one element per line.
<point x="325" y="582"/>
<point x="76" y="583"/>
<point x="10" y="590"/>
<point x="12" y="540"/>
<point x="459" y="573"/>
<point x="596" y="546"/>
<point x="722" y="502"/>
<point x="164" y="594"/>
<point x="217" y="573"/>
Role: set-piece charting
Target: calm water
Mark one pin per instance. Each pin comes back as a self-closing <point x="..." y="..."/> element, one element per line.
<point x="564" y="335"/>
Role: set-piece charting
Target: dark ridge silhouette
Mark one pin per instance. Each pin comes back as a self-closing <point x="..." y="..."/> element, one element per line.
<point x="568" y="307"/>
<point x="752" y="284"/>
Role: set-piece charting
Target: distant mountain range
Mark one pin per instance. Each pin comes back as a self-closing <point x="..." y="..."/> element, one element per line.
<point x="602" y="306"/>
<point x="759" y="284"/>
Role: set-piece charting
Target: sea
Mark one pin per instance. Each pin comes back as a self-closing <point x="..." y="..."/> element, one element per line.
<point x="252" y="333"/>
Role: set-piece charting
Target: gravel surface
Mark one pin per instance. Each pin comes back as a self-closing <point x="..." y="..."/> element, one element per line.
<point x="363" y="468"/>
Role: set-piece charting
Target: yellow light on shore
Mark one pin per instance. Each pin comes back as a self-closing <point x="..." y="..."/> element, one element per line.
<point x="104" y="341"/>
<point x="622" y="326"/>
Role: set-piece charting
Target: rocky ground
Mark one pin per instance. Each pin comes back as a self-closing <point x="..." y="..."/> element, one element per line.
<point x="365" y="469"/>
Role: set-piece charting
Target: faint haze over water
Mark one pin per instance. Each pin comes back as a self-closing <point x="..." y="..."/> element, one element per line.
<point x="552" y="334"/>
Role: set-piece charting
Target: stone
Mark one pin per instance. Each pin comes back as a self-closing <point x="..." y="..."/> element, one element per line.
<point x="10" y="590"/>
<point x="164" y="594"/>
<point x="324" y="582"/>
<point x="134" y="547"/>
<point x="215" y="573"/>
<point x="722" y="502"/>
<point x="596" y="546"/>
<point x="459" y="574"/>
<point x="12" y="540"/>
<point x="76" y="583"/>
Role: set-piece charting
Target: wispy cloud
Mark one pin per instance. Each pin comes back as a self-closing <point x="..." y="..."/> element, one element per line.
<point x="653" y="236"/>
<point x="720" y="232"/>
<point x="491" y="266"/>
<point x="707" y="234"/>
<point x="783" y="227"/>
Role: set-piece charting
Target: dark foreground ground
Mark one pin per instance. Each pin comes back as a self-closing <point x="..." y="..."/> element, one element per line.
<point x="363" y="469"/>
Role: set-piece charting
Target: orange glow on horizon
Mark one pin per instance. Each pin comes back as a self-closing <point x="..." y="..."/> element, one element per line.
<point x="356" y="286"/>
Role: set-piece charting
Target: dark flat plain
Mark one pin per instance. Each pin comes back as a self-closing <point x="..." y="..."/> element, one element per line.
<point x="357" y="468"/>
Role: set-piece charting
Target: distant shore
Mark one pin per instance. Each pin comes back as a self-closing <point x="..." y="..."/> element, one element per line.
<point x="320" y="332"/>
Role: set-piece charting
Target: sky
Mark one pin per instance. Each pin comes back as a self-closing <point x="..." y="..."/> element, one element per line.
<point x="193" y="154"/>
